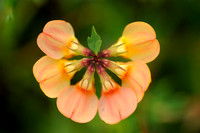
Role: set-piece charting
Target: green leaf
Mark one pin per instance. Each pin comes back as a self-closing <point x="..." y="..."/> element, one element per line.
<point x="94" y="42"/>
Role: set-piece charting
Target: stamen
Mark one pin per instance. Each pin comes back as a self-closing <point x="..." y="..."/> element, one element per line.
<point x="84" y="83"/>
<point x="120" y="71"/>
<point x="77" y="65"/>
<point x="88" y="76"/>
<point x="75" y="42"/>
<point x="115" y="68"/>
<point x="105" y="79"/>
<point x="122" y="52"/>
<point x="74" y="46"/>
<point x="105" y="53"/>
<point x="120" y="48"/>
<point x="108" y="84"/>
<point x="70" y="67"/>
<point x="114" y="50"/>
<point x="118" y="45"/>
<point x="78" y="48"/>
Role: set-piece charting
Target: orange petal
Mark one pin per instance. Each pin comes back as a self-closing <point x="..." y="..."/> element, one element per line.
<point x="140" y="42"/>
<point x="145" y="52"/>
<point x="117" y="104"/>
<point x="78" y="104"/>
<point x="51" y="75"/>
<point x="135" y="75"/>
<point x="59" y="30"/>
<point x="52" y="87"/>
<point x="135" y="87"/>
<point x="45" y="68"/>
<point x="52" y="47"/>
<point x="138" y="32"/>
<point x="139" y="72"/>
<point x="56" y="36"/>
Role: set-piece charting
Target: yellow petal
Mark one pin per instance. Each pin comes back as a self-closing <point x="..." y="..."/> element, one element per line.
<point x="117" y="104"/>
<point x="78" y="104"/>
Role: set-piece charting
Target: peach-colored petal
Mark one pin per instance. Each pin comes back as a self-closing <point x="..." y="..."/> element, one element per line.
<point x="145" y="52"/>
<point x="135" y="75"/>
<point x="50" y="73"/>
<point x="78" y="104"/>
<point x="56" y="37"/>
<point x="139" y="43"/>
<point x="117" y="104"/>
<point x="59" y="30"/>
<point x="136" y="71"/>
<point x="52" y="47"/>
<point x="131" y="83"/>
<point x="139" y="72"/>
<point x="45" y="68"/>
<point x="138" y="32"/>
<point x="53" y="86"/>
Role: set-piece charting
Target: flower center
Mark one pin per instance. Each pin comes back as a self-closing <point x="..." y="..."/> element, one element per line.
<point x="96" y="59"/>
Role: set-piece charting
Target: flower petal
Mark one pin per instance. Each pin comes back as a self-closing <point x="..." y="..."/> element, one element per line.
<point x="135" y="75"/>
<point x="53" y="86"/>
<point x="138" y="72"/>
<point x="78" y="104"/>
<point x="131" y="83"/>
<point x="138" y="42"/>
<point x="45" y="68"/>
<point x="56" y="37"/>
<point x="146" y="51"/>
<point x="117" y="104"/>
<point x="59" y="30"/>
<point x="52" y="47"/>
<point x="138" y="32"/>
<point x="51" y="75"/>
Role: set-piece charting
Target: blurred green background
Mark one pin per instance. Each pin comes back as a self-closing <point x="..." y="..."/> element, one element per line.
<point x="170" y="105"/>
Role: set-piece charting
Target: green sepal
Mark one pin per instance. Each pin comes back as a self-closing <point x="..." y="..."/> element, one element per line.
<point x="94" y="42"/>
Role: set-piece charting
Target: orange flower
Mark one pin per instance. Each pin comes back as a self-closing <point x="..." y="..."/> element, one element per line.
<point x="79" y="102"/>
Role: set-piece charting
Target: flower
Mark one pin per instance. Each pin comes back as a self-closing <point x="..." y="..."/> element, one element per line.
<point x="79" y="102"/>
